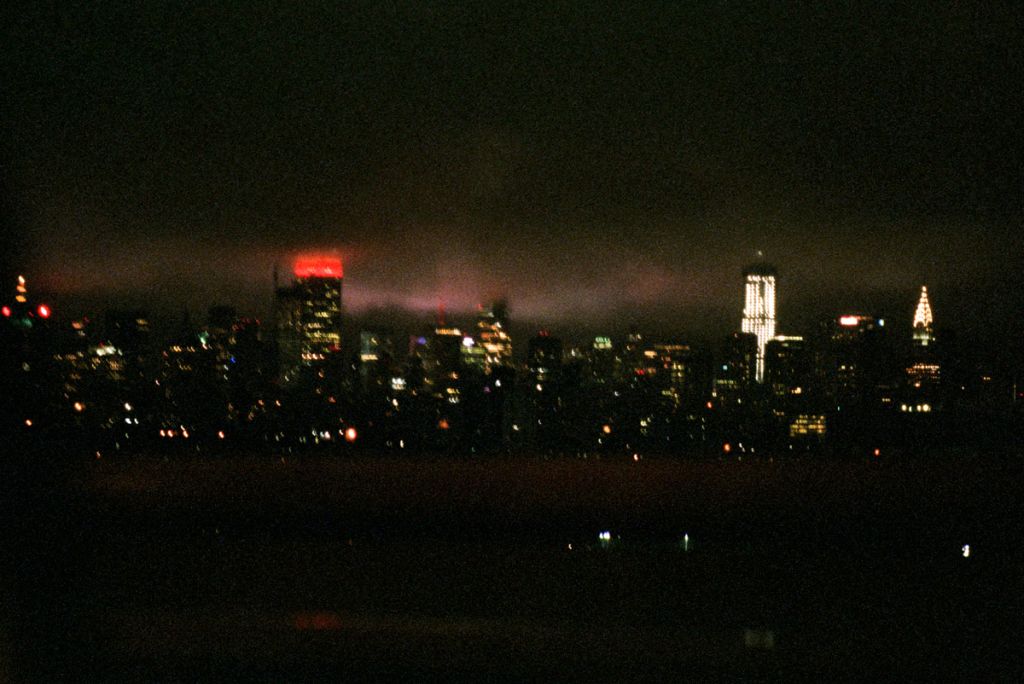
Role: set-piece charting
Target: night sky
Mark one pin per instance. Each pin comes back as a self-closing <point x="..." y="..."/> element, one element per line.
<point x="598" y="165"/>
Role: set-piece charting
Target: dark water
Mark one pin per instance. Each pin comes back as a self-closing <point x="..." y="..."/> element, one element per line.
<point x="252" y="569"/>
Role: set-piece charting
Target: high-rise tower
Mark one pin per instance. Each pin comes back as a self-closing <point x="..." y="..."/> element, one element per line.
<point x="309" y="313"/>
<point x="923" y="320"/>
<point x="923" y="370"/>
<point x="492" y="329"/>
<point x="759" y="308"/>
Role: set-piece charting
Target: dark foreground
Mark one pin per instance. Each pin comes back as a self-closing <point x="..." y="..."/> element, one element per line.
<point x="309" y="570"/>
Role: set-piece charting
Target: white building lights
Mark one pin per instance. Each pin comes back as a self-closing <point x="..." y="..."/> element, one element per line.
<point x="923" y="320"/>
<point x="759" y="308"/>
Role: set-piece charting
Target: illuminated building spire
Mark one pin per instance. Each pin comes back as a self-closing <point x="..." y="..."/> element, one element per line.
<point x="923" y="320"/>
<point x="22" y="293"/>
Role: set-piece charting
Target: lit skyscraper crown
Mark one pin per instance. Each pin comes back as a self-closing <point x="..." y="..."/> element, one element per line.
<point x="923" y="314"/>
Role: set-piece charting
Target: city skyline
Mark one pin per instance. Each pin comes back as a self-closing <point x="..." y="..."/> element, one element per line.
<point x="463" y="155"/>
<point x="512" y="341"/>
<point x="758" y="302"/>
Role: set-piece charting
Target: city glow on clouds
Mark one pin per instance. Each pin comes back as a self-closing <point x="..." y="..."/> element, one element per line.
<point x="561" y="275"/>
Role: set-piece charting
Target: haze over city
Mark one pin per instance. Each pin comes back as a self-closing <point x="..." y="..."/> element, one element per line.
<point x="417" y="341"/>
<point x="589" y="163"/>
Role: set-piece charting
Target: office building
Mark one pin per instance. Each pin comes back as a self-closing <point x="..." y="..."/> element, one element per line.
<point x="787" y="365"/>
<point x="759" y="308"/>
<point x="308" y="314"/>
<point x="544" y="360"/>
<point x="492" y="333"/>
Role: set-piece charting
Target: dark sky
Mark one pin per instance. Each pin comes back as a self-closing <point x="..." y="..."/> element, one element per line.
<point x="592" y="162"/>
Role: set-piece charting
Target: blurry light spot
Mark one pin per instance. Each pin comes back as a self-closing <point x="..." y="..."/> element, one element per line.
<point x="763" y="639"/>
<point x="316" y="621"/>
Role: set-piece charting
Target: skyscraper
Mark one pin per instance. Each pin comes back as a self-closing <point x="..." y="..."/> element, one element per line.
<point x="923" y="320"/>
<point x="493" y="334"/>
<point x="544" y="359"/>
<point x="308" y="313"/>
<point x="923" y="370"/>
<point x="376" y="357"/>
<point x="759" y="308"/>
<point x="855" y="358"/>
<point x="734" y="375"/>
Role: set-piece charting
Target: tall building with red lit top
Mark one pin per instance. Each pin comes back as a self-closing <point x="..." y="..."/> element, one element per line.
<point x="308" y="314"/>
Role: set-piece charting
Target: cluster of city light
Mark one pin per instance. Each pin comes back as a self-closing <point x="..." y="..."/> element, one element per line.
<point x="807" y="425"/>
<point x="21" y="297"/>
<point x="317" y="322"/>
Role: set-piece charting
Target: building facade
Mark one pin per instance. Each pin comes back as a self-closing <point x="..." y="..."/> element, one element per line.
<point x="759" y="308"/>
<point x="308" y="314"/>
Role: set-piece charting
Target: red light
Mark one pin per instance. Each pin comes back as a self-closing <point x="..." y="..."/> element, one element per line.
<point x="7" y="311"/>
<point x="44" y="311"/>
<point x="318" y="267"/>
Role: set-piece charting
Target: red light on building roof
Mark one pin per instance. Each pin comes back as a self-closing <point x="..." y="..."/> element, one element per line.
<point x="317" y="267"/>
<point x="44" y="311"/>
